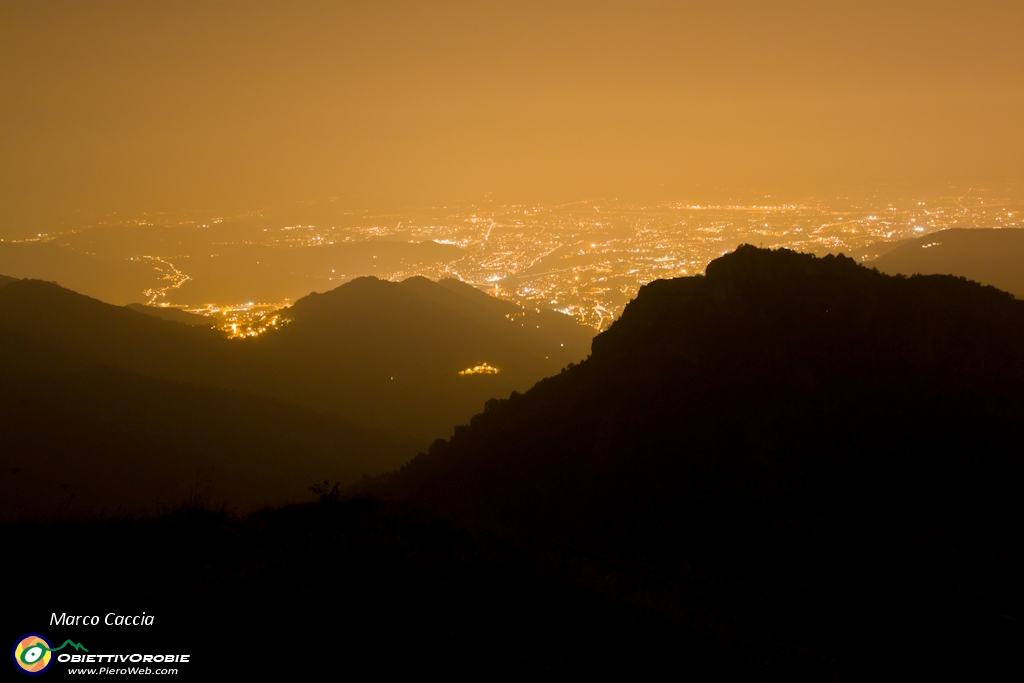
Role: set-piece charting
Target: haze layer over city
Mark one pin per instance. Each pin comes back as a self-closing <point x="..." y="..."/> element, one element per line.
<point x="586" y="258"/>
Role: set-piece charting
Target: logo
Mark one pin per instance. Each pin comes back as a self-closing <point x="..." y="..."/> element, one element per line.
<point x="33" y="654"/>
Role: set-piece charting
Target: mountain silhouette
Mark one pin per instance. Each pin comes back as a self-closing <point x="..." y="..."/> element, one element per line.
<point x="991" y="256"/>
<point x="384" y="354"/>
<point x="741" y="382"/>
<point x="97" y="416"/>
<point x="87" y="332"/>
<point x="783" y="422"/>
<point x="115" y="280"/>
<point x="389" y="354"/>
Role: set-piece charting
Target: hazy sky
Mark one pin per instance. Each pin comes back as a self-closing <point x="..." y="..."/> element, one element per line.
<point x="171" y="105"/>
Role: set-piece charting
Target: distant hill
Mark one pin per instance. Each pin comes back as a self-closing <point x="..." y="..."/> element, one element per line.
<point x="989" y="256"/>
<point x="115" y="280"/>
<point x="5" y="280"/>
<point x="239" y="273"/>
<point x="174" y="314"/>
<point x="108" y="442"/>
<point x="387" y="355"/>
<point x="223" y="262"/>
<point x="72" y="326"/>
<point x="860" y="254"/>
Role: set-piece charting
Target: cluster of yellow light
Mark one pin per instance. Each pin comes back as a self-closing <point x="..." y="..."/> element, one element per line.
<point x="483" y="369"/>
<point x="245" y="330"/>
<point x="245" y="320"/>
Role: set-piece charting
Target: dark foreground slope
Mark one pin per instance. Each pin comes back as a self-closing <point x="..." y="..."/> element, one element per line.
<point x="106" y="443"/>
<point x="986" y="255"/>
<point x="776" y="386"/>
<point x="841" y="449"/>
<point x="353" y="590"/>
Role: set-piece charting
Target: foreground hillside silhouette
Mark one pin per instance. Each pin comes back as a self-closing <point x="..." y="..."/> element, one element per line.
<point x="108" y="443"/>
<point x="779" y="385"/>
<point x="794" y="424"/>
<point x="790" y="469"/>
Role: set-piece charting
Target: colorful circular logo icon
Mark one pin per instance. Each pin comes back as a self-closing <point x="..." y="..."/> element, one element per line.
<point x="32" y="654"/>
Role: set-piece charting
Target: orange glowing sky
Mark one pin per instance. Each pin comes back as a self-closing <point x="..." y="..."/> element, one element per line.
<point x="170" y="105"/>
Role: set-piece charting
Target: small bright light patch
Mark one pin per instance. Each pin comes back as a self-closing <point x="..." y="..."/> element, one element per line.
<point x="482" y="369"/>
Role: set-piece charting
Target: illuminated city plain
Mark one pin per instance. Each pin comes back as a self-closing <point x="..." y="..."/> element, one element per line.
<point x="589" y="258"/>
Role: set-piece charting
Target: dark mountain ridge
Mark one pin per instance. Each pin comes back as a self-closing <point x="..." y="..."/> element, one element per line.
<point x="792" y="348"/>
<point x="774" y="433"/>
<point x="106" y="409"/>
<point x="98" y="334"/>
<point x="386" y="354"/>
<point x="115" y="280"/>
<point x="126" y="407"/>
<point x="991" y="256"/>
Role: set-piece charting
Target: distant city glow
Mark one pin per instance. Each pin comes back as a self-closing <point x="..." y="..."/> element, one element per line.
<point x="586" y="259"/>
